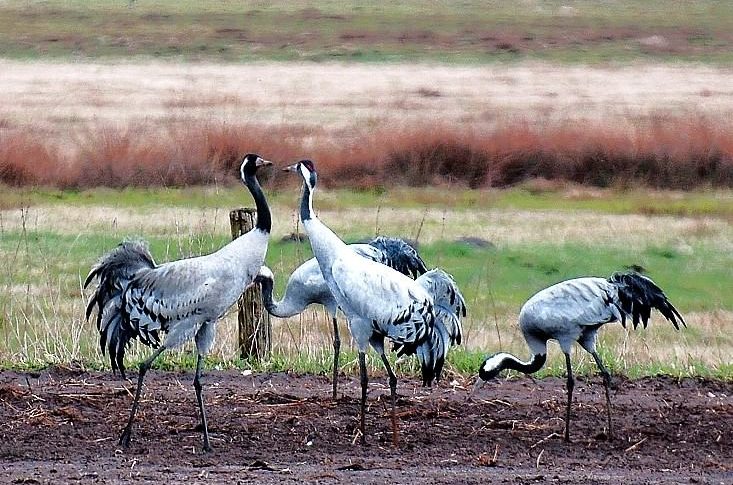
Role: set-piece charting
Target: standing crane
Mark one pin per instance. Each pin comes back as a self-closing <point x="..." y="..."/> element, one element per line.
<point x="306" y="284"/>
<point x="135" y="298"/>
<point x="573" y="311"/>
<point x="420" y="316"/>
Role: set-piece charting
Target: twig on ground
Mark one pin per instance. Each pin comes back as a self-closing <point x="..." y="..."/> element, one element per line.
<point x="635" y="445"/>
<point x="548" y="437"/>
<point x="537" y="462"/>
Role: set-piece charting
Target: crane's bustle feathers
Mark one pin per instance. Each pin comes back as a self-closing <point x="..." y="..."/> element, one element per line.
<point x="399" y="255"/>
<point x="638" y="294"/>
<point x="114" y="272"/>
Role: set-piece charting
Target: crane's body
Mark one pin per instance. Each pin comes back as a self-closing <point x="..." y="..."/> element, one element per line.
<point x="380" y="302"/>
<point x="183" y="300"/>
<point x="307" y="286"/>
<point x="573" y="311"/>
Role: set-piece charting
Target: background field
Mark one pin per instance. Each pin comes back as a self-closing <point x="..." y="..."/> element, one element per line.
<point x="467" y="31"/>
<point x="518" y="143"/>
<point x="605" y="125"/>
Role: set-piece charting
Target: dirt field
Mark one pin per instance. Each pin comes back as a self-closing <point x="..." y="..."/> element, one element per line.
<point x="62" y="425"/>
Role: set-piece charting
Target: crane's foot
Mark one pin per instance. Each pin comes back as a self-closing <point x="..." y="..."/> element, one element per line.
<point x="207" y="444"/>
<point x="125" y="437"/>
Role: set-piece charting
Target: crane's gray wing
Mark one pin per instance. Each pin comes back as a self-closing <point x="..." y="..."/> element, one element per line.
<point x="448" y="306"/>
<point x="580" y="301"/>
<point x="114" y="271"/>
<point x="169" y="295"/>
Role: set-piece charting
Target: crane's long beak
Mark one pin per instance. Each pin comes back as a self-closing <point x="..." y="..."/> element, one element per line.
<point x="291" y="168"/>
<point x="477" y="385"/>
<point x="261" y="162"/>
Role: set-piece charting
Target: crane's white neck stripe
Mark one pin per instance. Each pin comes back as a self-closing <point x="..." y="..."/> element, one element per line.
<point x="305" y="173"/>
<point x="494" y="361"/>
<point x="266" y="272"/>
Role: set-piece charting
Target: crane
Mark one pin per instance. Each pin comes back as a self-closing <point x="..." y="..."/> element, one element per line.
<point x="573" y="311"/>
<point x="306" y="284"/>
<point x="420" y="316"/>
<point x="137" y="299"/>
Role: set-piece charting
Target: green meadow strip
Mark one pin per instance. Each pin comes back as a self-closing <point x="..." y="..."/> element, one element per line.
<point x="41" y="304"/>
<point x="466" y="32"/>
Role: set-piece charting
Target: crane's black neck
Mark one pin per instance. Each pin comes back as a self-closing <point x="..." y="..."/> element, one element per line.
<point x="264" y="220"/>
<point x="306" y="203"/>
<point x="498" y="362"/>
<point x="534" y="364"/>
<point x="266" y="284"/>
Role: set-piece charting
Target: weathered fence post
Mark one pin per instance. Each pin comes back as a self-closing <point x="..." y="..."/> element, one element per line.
<point x="255" y="333"/>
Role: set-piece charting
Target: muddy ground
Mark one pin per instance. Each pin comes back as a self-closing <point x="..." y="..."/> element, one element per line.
<point x="62" y="425"/>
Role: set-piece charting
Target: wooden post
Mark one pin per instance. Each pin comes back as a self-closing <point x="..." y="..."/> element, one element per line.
<point x="255" y="332"/>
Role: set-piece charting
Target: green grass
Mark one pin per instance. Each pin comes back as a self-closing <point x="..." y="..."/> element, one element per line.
<point x="510" y="275"/>
<point x="460" y="32"/>
<point x="716" y="203"/>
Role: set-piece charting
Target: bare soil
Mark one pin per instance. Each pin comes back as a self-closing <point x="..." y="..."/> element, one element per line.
<point x="62" y="425"/>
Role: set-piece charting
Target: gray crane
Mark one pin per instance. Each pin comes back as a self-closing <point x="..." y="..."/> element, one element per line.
<point x="135" y="298"/>
<point x="573" y="311"/>
<point x="306" y="284"/>
<point x="420" y="316"/>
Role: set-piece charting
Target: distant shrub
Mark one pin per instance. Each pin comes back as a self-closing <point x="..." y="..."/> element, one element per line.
<point x="25" y="160"/>
<point x="667" y="153"/>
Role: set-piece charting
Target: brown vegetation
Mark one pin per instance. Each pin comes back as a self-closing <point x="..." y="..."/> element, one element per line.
<point x="677" y="153"/>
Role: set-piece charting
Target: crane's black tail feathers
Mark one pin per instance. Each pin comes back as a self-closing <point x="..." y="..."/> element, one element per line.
<point x="638" y="295"/>
<point x="400" y="256"/>
<point x="114" y="271"/>
<point x="449" y="307"/>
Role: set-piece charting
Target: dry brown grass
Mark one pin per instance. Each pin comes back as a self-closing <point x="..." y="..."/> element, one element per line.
<point x="503" y="227"/>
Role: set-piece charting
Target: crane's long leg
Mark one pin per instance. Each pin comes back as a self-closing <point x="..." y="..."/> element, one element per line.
<point x="571" y="386"/>
<point x="200" y="400"/>
<point x="336" y="350"/>
<point x="364" y="383"/>
<point x="393" y="394"/>
<point x="607" y="384"/>
<point x="144" y="366"/>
